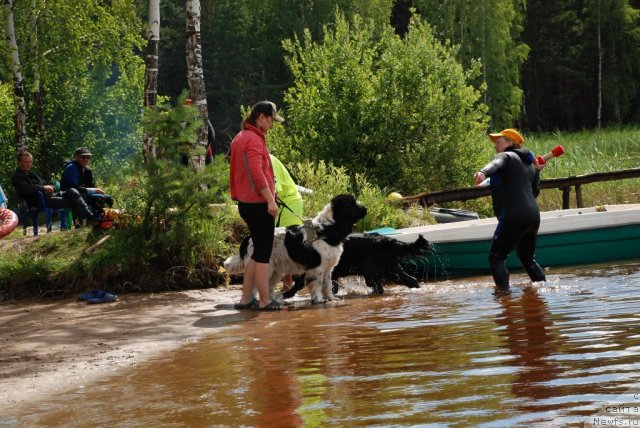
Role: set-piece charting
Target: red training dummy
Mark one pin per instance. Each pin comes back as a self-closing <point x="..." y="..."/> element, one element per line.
<point x="557" y="151"/>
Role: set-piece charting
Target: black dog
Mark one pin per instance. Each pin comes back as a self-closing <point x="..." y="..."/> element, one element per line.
<point x="377" y="258"/>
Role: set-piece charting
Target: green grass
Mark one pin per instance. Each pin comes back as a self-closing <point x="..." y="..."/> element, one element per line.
<point x="586" y="152"/>
<point x="591" y="152"/>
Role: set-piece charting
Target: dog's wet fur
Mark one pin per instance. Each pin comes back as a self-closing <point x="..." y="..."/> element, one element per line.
<point x="375" y="257"/>
<point x="296" y="252"/>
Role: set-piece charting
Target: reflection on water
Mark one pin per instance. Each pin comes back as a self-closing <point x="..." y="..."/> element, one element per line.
<point x="450" y="353"/>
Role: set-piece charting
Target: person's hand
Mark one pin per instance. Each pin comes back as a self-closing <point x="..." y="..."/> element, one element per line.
<point x="272" y="208"/>
<point x="48" y="189"/>
<point x="99" y="191"/>
<point x="539" y="166"/>
<point x="479" y="177"/>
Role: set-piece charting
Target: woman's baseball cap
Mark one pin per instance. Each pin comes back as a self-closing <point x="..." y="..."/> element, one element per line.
<point x="510" y="133"/>
<point x="268" y="108"/>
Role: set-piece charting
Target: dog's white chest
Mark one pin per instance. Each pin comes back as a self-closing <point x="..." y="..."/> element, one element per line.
<point x="330" y="254"/>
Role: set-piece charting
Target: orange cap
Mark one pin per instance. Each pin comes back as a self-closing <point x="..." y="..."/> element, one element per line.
<point x="510" y="133"/>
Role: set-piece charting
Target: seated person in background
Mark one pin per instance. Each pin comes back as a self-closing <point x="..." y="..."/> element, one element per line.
<point x="290" y="210"/>
<point x="77" y="175"/>
<point x="211" y="138"/>
<point x="28" y="184"/>
<point x="3" y="198"/>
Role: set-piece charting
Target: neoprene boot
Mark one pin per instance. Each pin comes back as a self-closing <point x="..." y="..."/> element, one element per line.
<point x="535" y="272"/>
<point x="499" y="271"/>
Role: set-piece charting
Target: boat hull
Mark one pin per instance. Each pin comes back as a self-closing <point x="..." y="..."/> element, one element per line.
<point x="591" y="237"/>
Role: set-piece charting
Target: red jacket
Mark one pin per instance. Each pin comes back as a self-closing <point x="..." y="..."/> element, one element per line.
<point x="250" y="169"/>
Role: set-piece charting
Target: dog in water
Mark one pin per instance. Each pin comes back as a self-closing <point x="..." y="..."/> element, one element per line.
<point x="312" y="249"/>
<point x="377" y="258"/>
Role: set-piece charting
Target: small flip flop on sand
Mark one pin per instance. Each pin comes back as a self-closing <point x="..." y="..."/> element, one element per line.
<point x="98" y="296"/>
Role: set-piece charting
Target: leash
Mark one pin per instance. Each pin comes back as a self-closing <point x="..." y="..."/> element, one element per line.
<point x="282" y="204"/>
<point x="307" y="225"/>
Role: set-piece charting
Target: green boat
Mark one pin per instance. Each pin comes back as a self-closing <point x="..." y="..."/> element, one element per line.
<point x="566" y="237"/>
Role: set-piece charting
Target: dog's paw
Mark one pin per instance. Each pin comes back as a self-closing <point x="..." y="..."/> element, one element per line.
<point x="318" y="299"/>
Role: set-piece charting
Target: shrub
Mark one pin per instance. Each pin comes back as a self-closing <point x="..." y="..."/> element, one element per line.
<point x="399" y="110"/>
<point x="327" y="180"/>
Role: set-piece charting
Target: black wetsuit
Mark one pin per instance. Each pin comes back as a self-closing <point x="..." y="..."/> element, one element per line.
<point x="515" y="184"/>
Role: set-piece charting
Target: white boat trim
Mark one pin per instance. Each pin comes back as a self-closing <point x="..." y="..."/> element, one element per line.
<point x="558" y="221"/>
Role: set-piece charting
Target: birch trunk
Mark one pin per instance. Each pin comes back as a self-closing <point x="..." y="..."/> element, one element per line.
<point x="195" y="75"/>
<point x="599" y="113"/>
<point x="151" y="73"/>
<point x="18" y="88"/>
<point x="37" y="96"/>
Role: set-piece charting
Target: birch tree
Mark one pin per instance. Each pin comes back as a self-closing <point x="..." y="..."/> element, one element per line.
<point x="151" y="72"/>
<point x="195" y="75"/>
<point x="18" y="87"/>
<point x="491" y="31"/>
<point x="37" y="95"/>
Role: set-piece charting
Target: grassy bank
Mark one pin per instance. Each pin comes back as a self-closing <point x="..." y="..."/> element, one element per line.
<point x="167" y="248"/>
<point x="587" y="153"/>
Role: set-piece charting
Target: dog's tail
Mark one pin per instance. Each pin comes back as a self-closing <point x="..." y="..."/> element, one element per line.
<point x="421" y="245"/>
<point x="416" y="248"/>
<point x="234" y="265"/>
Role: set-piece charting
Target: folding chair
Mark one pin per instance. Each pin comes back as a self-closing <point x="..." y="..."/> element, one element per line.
<point x="30" y="212"/>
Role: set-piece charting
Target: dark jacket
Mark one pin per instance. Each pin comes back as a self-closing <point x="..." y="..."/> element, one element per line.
<point x="515" y="184"/>
<point x="27" y="185"/>
<point x="74" y="177"/>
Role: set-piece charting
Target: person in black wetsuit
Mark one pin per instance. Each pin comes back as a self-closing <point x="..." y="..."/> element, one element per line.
<point x="515" y="183"/>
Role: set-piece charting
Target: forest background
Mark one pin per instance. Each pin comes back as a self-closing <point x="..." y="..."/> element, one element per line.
<point x="539" y="66"/>
<point x="389" y="94"/>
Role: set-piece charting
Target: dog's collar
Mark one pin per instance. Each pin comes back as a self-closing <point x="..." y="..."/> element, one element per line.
<point x="310" y="230"/>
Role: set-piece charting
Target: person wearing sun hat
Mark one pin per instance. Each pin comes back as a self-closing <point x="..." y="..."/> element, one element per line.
<point x="515" y="184"/>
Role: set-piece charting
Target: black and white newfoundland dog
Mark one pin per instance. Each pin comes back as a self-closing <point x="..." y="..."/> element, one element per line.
<point x="312" y="249"/>
<point x="377" y="258"/>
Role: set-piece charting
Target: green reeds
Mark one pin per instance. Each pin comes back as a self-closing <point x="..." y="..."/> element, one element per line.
<point x="590" y="152"/>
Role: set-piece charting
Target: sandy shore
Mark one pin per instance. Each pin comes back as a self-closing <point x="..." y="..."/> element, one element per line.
<point x="53" y="347"/>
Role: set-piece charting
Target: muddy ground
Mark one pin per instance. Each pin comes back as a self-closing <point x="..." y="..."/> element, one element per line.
<point x="46" y="348"/>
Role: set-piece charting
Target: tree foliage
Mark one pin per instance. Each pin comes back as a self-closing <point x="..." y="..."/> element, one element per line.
<point x="488" y="30"/>
<point x="173" y="202"/>
<point x="90" y="74"/>
<point x="561" y="77"/>
<point x="400" y="111"/>
<point x="242" y="54"/>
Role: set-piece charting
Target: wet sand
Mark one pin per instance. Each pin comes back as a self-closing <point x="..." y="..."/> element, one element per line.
<point x="48" y="348"/>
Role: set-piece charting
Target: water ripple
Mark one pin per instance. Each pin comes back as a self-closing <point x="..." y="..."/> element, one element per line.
<point x="448" y="354"/>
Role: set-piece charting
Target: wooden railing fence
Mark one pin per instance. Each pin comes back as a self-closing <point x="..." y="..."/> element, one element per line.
<point x="427" y="199"/>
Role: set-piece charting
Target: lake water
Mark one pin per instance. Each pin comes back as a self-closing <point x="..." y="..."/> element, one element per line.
<point x="564" y="353"/>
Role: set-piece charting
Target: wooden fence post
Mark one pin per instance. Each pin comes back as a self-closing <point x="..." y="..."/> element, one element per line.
<point x="579" y="195"/>
<point x="566" y="194"/>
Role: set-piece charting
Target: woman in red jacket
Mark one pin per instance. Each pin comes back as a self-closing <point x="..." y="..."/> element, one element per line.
<point x="253" y="186"/>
